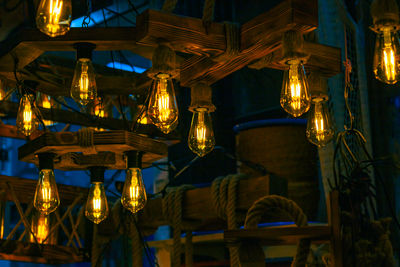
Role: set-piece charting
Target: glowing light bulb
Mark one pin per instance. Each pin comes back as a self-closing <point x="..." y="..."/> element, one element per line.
<point x="133" y="194"/>
<point x="201" y="135"/>
<point x="320" y="129"/>
<point x="40" y="227"/>
<point x="3" y="92"/>
<point x="27" y="121"/>
<point x="84" y="89"/>
<point x="295" y="97"/>
<point x="163" y="109"/>
<point x="53" y="17"/>
<point x="46" y="101"/>
<point x="386" y="58"/>
<point x="96" y="204"/>
<point x="46" y="196"/>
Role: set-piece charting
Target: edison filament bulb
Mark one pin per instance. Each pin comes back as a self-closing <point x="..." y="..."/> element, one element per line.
<point x="201" y="135"/>
<point x="46" y="195"/>
<point x="295" y="97"/>
<point x="320" y="130"/>
<point x="84" y="89"/>
<point x="53" y="17"/>
<point x="133" y="194"/>
<point x="163" y="108"/>
<point x="96" y="204"/>
<point x="40" y="227"/>
<point x="27" y="121"/>
<point x="46" y="101"/>
<point x="386" y="57"/>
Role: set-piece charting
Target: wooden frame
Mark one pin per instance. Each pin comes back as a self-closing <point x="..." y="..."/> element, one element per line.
<point x="108" y="149"/>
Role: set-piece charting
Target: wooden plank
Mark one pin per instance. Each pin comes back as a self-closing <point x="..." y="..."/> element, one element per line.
<point x="326" y="59"/>
<point x="279" y="235"/>
<point x="65" y="116"/>
<point x="198" y="206"/>
<point x="184" y="34"/>
<point x="29" y="44"/>
<point x="11" y="131"/>
<point x="46" y="254"/>
<point x="259" y="37"/>
<point x="116" y="142"/>
<point x="25" y="190"/>
<point x="334" y="220"/>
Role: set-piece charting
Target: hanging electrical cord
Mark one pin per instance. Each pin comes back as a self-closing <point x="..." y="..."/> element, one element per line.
<point x="87" y="19"/>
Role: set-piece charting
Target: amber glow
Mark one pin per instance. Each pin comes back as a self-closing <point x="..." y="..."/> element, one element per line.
<point x="45" y="101"/>
<point x="27" y="121"/>
<point x="320" y="129"/>
<point x="46" y="196"/>
<point x="201" y="135"/>
<point x="133" y="194"/>
<point x="84" y="84"/>
<point x="55" y="8"/>
<point x="295" y="98"/>
<point x="163" y="109"/>
<point x="389" y="62"/>
<point x="96" y="205"/>
<point x="40" y="228"/>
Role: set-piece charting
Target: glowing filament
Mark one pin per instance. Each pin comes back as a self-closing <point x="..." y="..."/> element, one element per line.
<point x="84" y="83"/>
<point x="27" y="117"/>
<point x="389" y="60"/>
<point x="97" y="211"/>
<point x="55" y="9"/>
<point x="42" y="229"/>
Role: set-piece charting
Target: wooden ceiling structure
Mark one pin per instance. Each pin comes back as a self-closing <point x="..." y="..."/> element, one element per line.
<point x="198" y="47"/>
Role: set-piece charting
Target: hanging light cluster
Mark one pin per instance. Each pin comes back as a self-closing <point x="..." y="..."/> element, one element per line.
<point x="385" y="15"/>
<point x="297" y="97"/>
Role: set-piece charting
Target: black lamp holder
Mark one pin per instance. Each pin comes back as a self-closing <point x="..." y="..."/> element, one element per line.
<point x="46" y="161"/>
<point x="84" y="50"/>
<point x="134" y="159"/>
<point x="97" y="174"/>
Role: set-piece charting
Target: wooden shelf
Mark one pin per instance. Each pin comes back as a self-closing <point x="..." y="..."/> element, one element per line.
<point x="46" y="254"/>
<point x="287" y="235"/>
<point x="109" y="148"/>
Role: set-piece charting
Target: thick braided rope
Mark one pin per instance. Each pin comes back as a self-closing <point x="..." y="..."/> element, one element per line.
<point x="172" y="211"/>
<point x="86" y="139"/>
<point x="261" y="206"/>
<point x="169" y="5"/>
<point x="232" y="38"/>
<point x="224" y="197"/>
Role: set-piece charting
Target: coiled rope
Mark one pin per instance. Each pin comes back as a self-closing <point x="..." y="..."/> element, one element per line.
<point x="224" y="197"/>
<point x="261" y="206"/>
<point x="172" y="212"/>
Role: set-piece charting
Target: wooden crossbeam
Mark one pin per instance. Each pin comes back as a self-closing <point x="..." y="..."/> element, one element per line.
<point x="259" y="37"/>
<point x="46" y="254"/>
<point x="288" y="235"/>
<point x="65" y="116"/>
<point x="25" y="189"/>
<point x="109" y="149"/>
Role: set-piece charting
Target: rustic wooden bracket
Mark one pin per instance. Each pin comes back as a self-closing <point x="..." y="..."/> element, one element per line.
<point x="110" y="146"/>
<point x="258" y="38"/>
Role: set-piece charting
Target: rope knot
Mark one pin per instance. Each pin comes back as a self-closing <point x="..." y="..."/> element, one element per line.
<point x="86" y="141"/>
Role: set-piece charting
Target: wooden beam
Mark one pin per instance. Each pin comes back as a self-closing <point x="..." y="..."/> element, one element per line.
<point x="105" y="142"/>
<point x="326" y="59"/>
<point x="45" y="254"/>
<point x="11" y="131"/>
<point x="184" y="34"/>
<point x="288" y="235"/>
<point x="259" y="37"/>
<point x="25" y="190"/>
<point x="65" y="116"/>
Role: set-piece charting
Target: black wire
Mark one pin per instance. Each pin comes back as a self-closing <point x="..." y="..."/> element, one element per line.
<point x="133" y="7"/>
<point x="151" y="258"/>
